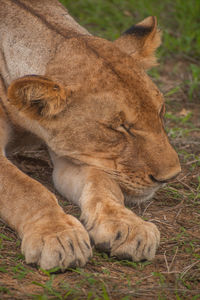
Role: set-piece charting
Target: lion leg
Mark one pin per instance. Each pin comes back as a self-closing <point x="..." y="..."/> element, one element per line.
<point x="50" y="238"/>
<point x="111" y="226"/>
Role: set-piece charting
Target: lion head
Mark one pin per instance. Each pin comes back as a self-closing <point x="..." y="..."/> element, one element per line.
<point x="98" y="106"/>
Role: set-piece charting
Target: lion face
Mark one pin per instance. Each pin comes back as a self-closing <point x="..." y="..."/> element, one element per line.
<point x="121" y="132"/>
<point x="112" y="116"/>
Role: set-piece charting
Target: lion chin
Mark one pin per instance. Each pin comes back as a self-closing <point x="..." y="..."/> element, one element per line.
<point x="138" y="198"/>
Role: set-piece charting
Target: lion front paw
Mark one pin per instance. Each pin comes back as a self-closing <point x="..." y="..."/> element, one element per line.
<point x="60" y="243"/>
<point x="141" y="243"/>
<point x="126" y="237"/>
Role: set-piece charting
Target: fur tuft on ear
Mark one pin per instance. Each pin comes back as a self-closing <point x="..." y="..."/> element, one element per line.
<point x="37" y="96"/>
<point x="140" y="41"/>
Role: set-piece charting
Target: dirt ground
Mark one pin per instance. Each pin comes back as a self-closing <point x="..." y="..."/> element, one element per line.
<point x="175" y="209"/>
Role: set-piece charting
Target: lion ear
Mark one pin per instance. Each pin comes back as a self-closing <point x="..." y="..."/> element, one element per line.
<point x="140" y="41"/>
<point x="37" y="96"/>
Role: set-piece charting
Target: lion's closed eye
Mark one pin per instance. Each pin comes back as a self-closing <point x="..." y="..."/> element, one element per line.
<point x="128" y="128"/>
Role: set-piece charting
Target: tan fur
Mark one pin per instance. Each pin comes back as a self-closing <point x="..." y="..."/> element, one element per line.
<point x="100" y="114"/>
<point x="140" y="45"/>
<point x="4" y="129"/>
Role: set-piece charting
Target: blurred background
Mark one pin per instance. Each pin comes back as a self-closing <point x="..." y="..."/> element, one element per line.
<point x="179" y="20"/>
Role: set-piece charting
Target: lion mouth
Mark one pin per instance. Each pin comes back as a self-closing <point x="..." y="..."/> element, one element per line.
<point x="138" y="185"/>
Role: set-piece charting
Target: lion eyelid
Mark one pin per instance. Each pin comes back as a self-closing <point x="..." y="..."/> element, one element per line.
<point x="127" y="129"/>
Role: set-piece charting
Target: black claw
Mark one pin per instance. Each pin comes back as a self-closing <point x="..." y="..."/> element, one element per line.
<point x="149" y="249"/>
<point x="78" y="262"/>
<point x="83" y="222"/>
<point x="105" y="247"/>
<point x="71" y="246"/>
<point x="118" y="236"/>
<point x="86" y="244"/>
<point x="92" y="241"/>
<point x="90" y="228"/>
<point x="125" y="256"/>
<point x="72" y="265"/>
<point x="60" y="256"/>
<point x="143" y="260"/>
<point x="138" y="244"/>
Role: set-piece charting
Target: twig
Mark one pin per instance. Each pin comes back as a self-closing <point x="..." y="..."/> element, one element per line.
<point x="189" y="58"/>
<point x="170" y="266"/>
<point x="192" y="161"/>
<point x="189" y="267"/>
<point x="175" y="190"/>
<point x="195" y="198"/>
<point x="184" y="176"/>
<point x="186" y="185"/>
<point x="166" y="262"/>
<point x="171" y="272"/>
<point x="147" y="208"/>
<point x="178" y="213"/>
<point x="155" y="220"/>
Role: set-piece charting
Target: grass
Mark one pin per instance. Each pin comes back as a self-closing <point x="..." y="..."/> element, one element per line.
<point x="175" y="272"/>
<point x="178" y="19"/>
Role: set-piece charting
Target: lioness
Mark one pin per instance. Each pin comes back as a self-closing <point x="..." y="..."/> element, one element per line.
<point x="92" y="103"/>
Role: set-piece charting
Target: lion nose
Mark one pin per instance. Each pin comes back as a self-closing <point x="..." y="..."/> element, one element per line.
<point x="167" y="177"/>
